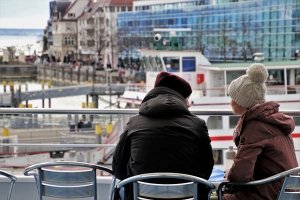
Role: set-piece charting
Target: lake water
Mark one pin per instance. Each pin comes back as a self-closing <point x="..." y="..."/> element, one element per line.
<point x="27" y="40"/>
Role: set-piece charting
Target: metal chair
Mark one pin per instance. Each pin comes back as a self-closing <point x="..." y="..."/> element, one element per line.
<point x="290" y="188"/>
<point x="67" y="180"/>
<point x="143" y="189"/>
<point x="13" y="179"/>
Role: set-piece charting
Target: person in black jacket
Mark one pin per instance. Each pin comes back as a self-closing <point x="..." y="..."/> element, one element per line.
<point x="164" y="136"/>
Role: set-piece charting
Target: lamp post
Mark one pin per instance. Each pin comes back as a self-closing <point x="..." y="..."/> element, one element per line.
<point x="108" y="82"/>
<point x="94" y="95"/>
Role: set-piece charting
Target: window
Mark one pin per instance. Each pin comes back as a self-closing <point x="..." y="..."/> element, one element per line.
<point x="297" y="120"/>
<point x="172" y="63"/>
<point x="276" y="77"/>
<point x="214" y="122"/>
<point x="188" y="64"/>
<point x="69" y="40"/>
<point x="71" y="14"/>
<point x="231" y="75"/>
<point x="233" y="120"/>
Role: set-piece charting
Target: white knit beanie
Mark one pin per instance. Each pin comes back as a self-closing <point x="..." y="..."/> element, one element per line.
<point x="250" y="89"/>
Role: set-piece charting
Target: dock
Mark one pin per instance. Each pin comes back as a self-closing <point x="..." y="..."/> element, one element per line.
<point x="11" y="72"/>
<point x="95" y="90"/>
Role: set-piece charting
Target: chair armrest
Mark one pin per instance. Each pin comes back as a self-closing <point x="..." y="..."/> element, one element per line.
<point x="8" y="175"/>
<point x="256" y="182"/>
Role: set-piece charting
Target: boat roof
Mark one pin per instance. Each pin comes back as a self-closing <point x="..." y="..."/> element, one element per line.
<point x="245" y="65"/>
<point x="202" y="60"/>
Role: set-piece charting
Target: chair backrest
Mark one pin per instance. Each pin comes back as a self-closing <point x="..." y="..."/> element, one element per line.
<point x="291" y="187"/>
<point x="12" y="178"/>
<point x="143" y="186"/>
<point x="289" y="190"/>
<point x="67" y="180"/>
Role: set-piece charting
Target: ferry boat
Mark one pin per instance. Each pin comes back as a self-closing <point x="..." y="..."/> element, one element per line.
<point x="209" y="83"/>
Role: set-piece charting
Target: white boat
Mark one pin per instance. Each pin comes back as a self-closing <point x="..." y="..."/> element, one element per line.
<point x="209" y="83"/>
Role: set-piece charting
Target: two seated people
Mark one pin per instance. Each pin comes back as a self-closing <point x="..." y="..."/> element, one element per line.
<point x="166" y="137"/>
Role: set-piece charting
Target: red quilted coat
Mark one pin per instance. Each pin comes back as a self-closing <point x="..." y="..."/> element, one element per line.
<point x="265" y="147"/>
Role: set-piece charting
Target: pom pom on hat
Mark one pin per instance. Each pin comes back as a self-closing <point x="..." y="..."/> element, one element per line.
<point x="250" y="89"/>
<point x="257" y="73"/>
<point x="174" y="82"/>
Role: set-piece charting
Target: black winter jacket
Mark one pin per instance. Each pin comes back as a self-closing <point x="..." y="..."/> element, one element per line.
<point x="164" y="137"/>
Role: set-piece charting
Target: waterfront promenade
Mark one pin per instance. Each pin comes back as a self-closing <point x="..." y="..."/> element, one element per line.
<point x="65" y="74"/>
<point x="72" y="81"/>
<point x="12" y="72"/>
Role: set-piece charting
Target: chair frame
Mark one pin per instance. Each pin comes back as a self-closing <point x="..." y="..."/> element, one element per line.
<point x="164" y="175"/>
<point x="13" y="180"/>
<point x="38" y="171"/>
<point x="275" y="177"/>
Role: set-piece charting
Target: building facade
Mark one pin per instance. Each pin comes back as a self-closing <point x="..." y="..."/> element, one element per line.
<point x="84" y="30"/>
<point x="97" y="40"/>
<point x="224" y="30"/>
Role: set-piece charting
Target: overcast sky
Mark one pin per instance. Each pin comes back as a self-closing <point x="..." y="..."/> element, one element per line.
<point x="24" y="13"/>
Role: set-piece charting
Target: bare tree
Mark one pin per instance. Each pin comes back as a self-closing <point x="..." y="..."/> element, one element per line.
<point x="245" y="25"/>
<point x="224" y="38"/>
<point x="100" y="34"/>
<point x="11" y="53"/>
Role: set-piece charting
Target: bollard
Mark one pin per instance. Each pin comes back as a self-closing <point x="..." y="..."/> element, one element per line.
<point x="109" y="128"/>
<point x="91" y="105"/>
<point x="98" y="132"/>
<point x="21" y="105"/>
<point x="98" y="129"/>
<point x="5" y="132"/>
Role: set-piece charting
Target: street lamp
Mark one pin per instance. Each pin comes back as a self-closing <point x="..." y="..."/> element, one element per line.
<point x="108" y="82"/>
<point x="94" y="95"/>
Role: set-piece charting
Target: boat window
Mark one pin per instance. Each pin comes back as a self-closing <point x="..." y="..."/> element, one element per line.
<point x="172" y="63"/>
<point x="147" y="64"/>
<point x="153" y="63"/>
<point x="188" y="64"/>
<point x="231" y="75"/>
<point x="297" y="78"/>
<point x="297" y="120"/>
<point x="276" y="77"/>
<point x="233" y="120"/>
<point x="159" y="64"/>
<point x="214" y="122"/>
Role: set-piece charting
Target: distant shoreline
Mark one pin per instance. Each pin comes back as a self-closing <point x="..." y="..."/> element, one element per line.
<point x="40" y="29"/>
<point x="28" y="40"/>
<point x="20" y="32"/>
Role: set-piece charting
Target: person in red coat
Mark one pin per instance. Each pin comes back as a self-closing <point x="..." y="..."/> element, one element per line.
<point x="262" y="136"/>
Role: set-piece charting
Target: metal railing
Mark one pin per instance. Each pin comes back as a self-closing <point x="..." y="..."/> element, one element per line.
<point x="55" y="131"/>
<point x="5" y="113"/>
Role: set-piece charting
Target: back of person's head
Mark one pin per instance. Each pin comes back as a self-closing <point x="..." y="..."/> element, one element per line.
<point x="249" y="89"/>
<point x="174" y="82"/>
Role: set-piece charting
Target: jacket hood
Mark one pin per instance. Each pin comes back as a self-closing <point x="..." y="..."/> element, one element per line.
<point x="163" y="102"/>
<point x="269" y="113"/>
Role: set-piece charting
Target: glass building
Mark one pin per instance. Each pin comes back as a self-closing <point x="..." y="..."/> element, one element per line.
<point x="224" y="30"/>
